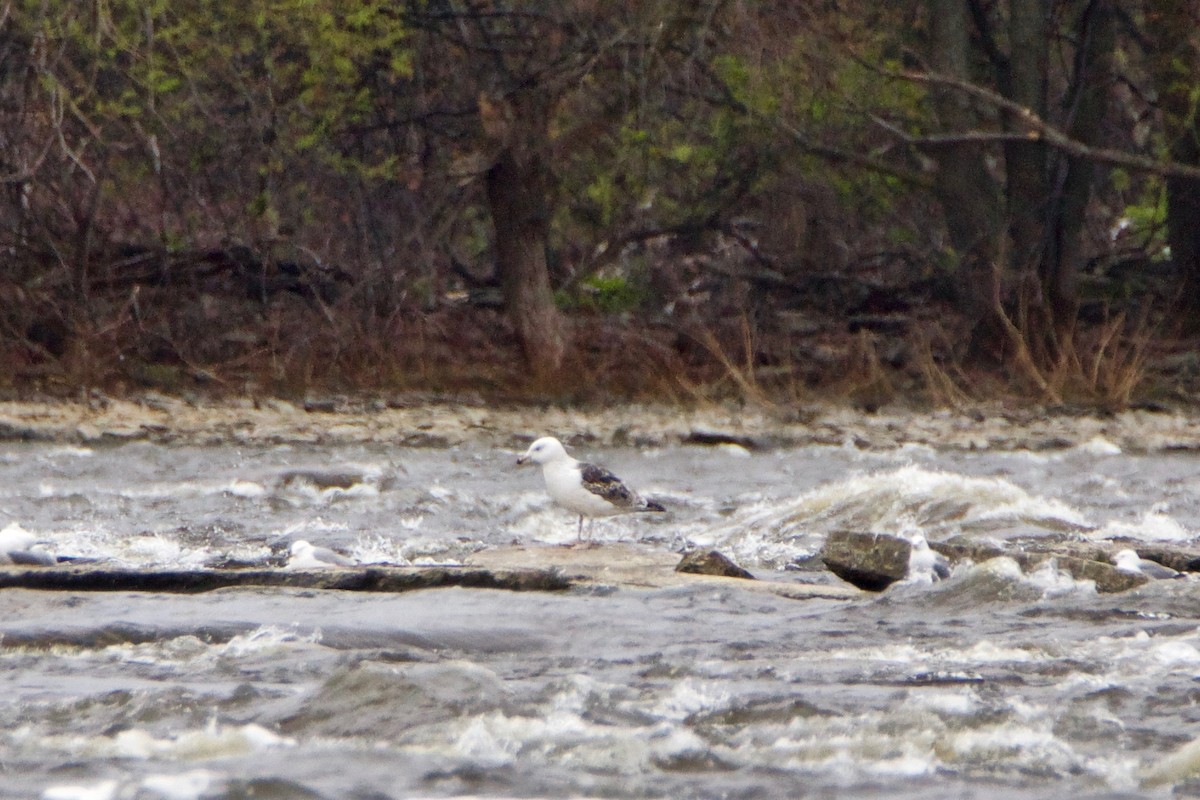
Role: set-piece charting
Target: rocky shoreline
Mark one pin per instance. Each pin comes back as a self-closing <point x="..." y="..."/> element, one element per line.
<point x="440" y="423"/>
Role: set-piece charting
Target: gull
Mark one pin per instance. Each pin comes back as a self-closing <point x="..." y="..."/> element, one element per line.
<point x="1130" y="562"/>
<point x="925" y="565"/>
<point x="306" y="556"/>
<point x="19" y="546"/>
<point x="585" y="489"/>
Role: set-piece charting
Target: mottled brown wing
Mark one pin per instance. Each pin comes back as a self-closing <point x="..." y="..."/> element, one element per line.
<point x="600" y="481"/>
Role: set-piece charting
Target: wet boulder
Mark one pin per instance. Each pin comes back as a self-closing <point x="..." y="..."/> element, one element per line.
<point x="1107" y="577"/>
<point x="871" y="561"/>
<point x="711" y="562"/>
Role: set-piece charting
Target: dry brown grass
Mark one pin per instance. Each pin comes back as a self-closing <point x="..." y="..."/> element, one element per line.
<point x="742" y="367"/>
<point x="945" y="382"/>
<point x="1102" y="366"/>
<point x="1105" y="366"/>
<point x="738" y="368"/>
<point x="865" y="381"/>
<point x="294" y="348"/>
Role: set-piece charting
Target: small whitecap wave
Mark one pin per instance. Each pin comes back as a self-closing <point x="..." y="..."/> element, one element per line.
<point x="304" y="494"/>
<point x="1154" y="526"/>
<point x="1055" y="582"/>
<point x="265" y="639"/>
<point x="412" y="550"/>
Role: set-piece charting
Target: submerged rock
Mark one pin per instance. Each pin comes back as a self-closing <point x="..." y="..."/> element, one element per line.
<point x="323" y="478"/>
<point x="1107" y="577"/>
<point x="716" y="437"/>
<point x="384" y="701"/>
<point x="711" y="562"/>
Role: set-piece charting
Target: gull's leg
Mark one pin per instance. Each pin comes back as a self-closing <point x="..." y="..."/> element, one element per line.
<point x="579" y="533"/>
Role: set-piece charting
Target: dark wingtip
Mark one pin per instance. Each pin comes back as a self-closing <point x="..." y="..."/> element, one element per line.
<point x="652" y="505"/>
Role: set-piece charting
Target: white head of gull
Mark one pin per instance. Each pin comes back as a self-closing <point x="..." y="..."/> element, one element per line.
<point x="586" y="489"/>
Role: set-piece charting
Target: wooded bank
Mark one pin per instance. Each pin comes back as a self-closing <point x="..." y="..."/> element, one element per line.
<point x="948" y="198"/>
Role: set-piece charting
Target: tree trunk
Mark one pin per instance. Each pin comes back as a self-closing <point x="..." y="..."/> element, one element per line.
<point x="1096" y="37"/>
<point x="1027" y="187"/>
<point x="969" y="197"/>
<point x="519" y="192"/>
<point x="1175" y="63"/>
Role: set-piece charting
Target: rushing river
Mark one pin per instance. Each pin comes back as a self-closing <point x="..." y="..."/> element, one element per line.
<point x="990" y="684"/>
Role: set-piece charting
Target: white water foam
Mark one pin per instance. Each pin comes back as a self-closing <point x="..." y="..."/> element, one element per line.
<point x="211" y="742"/>
<point x="68" y="451"/>
<point x="102" y="790"/>
<point x="190" y="785"/>
<point x="939" y="503"/>
<point x="178" y="650"/>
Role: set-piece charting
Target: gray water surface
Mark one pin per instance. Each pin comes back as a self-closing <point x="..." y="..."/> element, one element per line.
<point x="992" y="684"/>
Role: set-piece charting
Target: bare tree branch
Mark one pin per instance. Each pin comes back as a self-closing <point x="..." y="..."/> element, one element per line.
<point x="1037" y="129"/>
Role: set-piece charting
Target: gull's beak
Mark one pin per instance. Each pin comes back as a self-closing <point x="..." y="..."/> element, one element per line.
<point x="522" y="459"/>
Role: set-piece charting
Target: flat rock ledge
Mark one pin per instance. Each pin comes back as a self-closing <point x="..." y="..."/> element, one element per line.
<point x="544" y="569"/>
<point x="639" y="567"/>
<point x="365" y="579"/>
